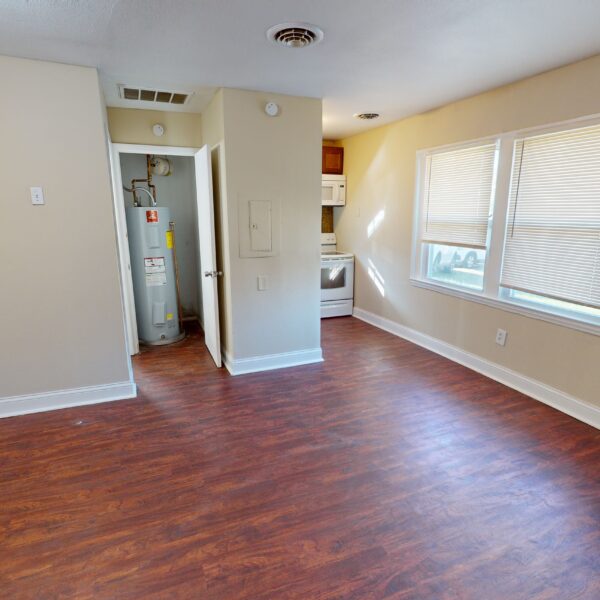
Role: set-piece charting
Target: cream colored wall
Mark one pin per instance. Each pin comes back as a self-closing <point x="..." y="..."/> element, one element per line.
<point x="213" y="121"/>
<point x="62" y="323"/>
<point x="134" y="126"/>
<point x="380" y="167"/>
<point x="276" y="159"/>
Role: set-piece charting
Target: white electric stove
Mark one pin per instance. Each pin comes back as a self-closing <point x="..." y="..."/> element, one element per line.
<point x="337" y="279"/>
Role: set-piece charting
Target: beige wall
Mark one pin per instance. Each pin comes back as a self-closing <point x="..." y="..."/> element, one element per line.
<point x="276" y="159"/>
<point x="60" y="302"/>
<point x="380" y="166"/>
<point x="134" y="126"/>
<point x="213" y="121"/>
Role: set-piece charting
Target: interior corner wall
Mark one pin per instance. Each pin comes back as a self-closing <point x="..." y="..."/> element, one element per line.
<point x="380" y="168"/>
<point x="61" y="302"/>
<point x="276" y="159"/>
<point x="134" y="126"/>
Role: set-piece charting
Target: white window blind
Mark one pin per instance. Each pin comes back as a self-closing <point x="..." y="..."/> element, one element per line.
<point x="458" y="192"/>
<point x="552" y="245"/>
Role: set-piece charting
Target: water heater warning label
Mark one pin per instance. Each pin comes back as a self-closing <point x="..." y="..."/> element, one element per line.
<point x="155" y="264"/>
<point x="152" y="216"/>
<point x="153" y="279"/>
<point x="156" y="272"/>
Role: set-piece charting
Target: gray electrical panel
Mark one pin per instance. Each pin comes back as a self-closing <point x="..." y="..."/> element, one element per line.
<point x="153" y="274"/>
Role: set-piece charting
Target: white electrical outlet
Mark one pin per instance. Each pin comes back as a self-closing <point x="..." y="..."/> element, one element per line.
<point x="37" y="195"/>
<point x="501" y="337"/>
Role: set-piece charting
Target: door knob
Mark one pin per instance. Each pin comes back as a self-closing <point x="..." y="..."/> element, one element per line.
<point x="213" y="273"/>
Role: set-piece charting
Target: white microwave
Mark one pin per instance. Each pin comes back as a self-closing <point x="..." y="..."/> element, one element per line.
<point x="333" y="190"/>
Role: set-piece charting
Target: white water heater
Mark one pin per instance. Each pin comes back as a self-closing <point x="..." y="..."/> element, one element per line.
<point x="153" y="274"/>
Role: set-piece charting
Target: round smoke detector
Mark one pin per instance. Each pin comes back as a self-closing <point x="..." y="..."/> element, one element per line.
<point x="366" y="116"/>
<point x="295" y="35"/>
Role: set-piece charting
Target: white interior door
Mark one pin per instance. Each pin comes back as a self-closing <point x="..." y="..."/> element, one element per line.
<point x="207" y="263"/>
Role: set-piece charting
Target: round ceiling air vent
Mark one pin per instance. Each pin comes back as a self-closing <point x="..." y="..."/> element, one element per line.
<point x="366" y="116"/>
<point x="295" y="35"/>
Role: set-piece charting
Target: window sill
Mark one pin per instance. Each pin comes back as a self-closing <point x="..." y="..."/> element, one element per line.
<point x="509" y="306"/>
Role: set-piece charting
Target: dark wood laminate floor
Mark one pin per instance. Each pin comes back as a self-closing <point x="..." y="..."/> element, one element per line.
<point x="386" y="472"/>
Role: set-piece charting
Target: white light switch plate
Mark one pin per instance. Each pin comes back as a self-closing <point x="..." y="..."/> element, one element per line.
<point x="501" y="337"/>
<point x="37" y="195"/>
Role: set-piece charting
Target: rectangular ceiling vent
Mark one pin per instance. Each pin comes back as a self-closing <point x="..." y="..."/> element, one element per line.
<point x="128" y="92"/>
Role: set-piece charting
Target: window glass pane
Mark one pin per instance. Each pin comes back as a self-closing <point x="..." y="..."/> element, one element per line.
<point x="333" y="278"/>
<point x="551" y="305"/>
<point x="462" y="267"/>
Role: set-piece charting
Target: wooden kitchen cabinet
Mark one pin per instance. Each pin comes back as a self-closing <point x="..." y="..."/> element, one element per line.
<point x="333" y="160"/>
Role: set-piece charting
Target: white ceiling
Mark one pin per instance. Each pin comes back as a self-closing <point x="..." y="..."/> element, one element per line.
<point x="396" y="57"/>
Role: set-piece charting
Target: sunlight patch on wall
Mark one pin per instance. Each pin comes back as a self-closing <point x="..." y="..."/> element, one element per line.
<point x="376" y="277"/>
<point x="376" y="221"/>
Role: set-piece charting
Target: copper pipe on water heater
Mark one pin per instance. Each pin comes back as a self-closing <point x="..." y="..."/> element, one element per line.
<point x="149" y="174"/>
<point x="133" y="190"/>
<point x="179" y="308"/>
<point x="147" y="181"/>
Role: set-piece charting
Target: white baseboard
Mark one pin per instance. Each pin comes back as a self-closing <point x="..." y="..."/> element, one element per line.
<point x="267" y="362"/>
<point x="11" y="406"/>
<point x="555" y="398"/>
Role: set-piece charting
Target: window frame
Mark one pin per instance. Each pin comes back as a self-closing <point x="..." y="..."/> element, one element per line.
<point x="492" y="293"/>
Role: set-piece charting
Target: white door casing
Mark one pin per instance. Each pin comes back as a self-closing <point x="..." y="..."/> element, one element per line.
<point x="131" y="333"/>
<point x="206" y="242"/>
